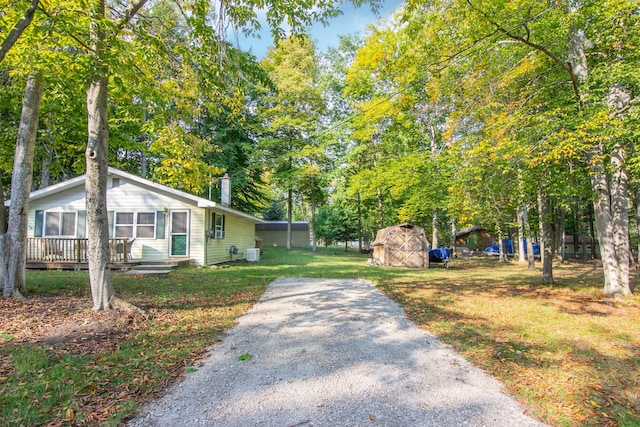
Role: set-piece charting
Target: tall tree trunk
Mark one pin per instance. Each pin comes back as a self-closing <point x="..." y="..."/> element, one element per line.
<point x="592" y="234"/>
<point x="610" y="207"/>
<point x="45" y="168"/>
<point x="576" y="234"/>
<point x="3" y="216"/>
<point x="521" y="238"/>
<point x="96" y="194"/>
<point x="502" y="250"/>
<point x="96" y="155"/>
<point x="559" y="234"/>
<point x="289" y="217"/>
<point x="143" y="156"/>
<point x="636" y="208"/>
<point x="380" y="208"/>
<point x="15" y="239"/>
<point x="454" y="250"/>
<point x="313" y="218"/>
<point x="4" y="274"/>
<point x="531" y="257"/>
<point x="620" y="212"/>
<point x="359" y="224"/>
<point x="547" y="239"/>
<point x="434" y="230"/>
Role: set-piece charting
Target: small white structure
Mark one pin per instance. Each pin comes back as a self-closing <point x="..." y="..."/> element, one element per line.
<point x="153" y="220"/>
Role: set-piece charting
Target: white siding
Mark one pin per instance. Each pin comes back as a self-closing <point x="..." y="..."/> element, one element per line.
<point x="71" y="200"/>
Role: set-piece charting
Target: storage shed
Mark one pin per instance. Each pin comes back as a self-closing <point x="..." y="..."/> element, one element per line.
<point x="402" y="245"/>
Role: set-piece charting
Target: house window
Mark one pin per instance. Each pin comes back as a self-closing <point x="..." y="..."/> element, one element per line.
<point x="141" y="225"/>
<point x="124" y="224"/>
<point x="217" y="222"/>
<point x="60" y="224"/>
<point x="115" y="182"/>
<point x="146" y="225"/>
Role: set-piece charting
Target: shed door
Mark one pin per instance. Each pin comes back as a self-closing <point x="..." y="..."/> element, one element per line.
<point x="179" y="233"/>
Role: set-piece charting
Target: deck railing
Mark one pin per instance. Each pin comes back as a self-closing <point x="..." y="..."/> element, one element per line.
<point x="73" y="250"/>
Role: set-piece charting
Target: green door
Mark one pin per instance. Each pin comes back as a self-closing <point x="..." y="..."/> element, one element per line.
<point x="179" y="233"/>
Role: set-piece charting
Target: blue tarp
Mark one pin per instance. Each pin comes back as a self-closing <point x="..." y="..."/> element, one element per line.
<point x="495" y="249"/>
<point x="439" y="254"/>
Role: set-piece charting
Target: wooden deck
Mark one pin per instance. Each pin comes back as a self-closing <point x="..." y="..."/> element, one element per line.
<point x="71" y="254"/>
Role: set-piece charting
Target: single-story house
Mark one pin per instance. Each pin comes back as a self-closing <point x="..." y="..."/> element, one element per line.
<point x="583" y="248"/>
<point x="147" y="221"/>
<point x="474" y="238"/>
<point x="274" y="233"/>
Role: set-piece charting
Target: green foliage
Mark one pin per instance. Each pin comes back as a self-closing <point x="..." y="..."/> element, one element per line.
<point x="336" y="224"/>
<point x="275" y="212"/>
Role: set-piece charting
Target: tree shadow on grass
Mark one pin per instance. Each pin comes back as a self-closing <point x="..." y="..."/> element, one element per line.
<point x="570" y="381"/>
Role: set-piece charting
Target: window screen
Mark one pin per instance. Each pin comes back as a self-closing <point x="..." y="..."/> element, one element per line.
<point x="124" y="224"/>
<point x="146" y="225"/>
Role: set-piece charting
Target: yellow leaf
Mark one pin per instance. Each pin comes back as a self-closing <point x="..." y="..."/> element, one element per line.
<point x="69" y="415"/>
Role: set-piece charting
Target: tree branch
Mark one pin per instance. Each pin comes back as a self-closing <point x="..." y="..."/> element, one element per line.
<point x="565" y="65"/>
<point x="18" y="29"/>
<point x="130" y="12"/>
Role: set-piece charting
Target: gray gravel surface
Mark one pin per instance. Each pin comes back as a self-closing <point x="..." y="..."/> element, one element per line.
<point x="332" y="353"/>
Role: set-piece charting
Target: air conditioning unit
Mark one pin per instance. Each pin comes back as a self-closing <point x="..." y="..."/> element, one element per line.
<point x="253" y="254"/>
<point x="219" y="234"/>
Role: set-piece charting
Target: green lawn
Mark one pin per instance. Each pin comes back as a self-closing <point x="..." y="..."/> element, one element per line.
<point x="568" y="353"/>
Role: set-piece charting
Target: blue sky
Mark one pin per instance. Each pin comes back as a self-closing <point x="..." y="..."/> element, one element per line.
<point x="353" y="20"/>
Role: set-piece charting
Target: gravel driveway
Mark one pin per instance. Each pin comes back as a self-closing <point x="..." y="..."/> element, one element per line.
<point x="327" y="352"/>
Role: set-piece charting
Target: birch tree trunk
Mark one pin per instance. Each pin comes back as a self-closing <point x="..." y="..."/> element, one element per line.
<point x="521" y="238"/>
<point x="289" y="217"/>
<point x="531" y="257"/>
<point x="559" y="234"/>
<point x="314" y="247"/>
<point x="434" y="231"/>
<point x="454" y="250"/>
<point x="501" y="248"/>
<point x="14" y="241"/>
<point x="546" y="237"/>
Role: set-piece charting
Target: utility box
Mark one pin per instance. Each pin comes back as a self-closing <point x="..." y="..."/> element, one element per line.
<point x="253" y="254"/>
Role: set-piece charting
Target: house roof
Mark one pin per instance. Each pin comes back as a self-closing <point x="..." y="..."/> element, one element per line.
<point x="469" y="230"/>
<point x="141" y="182"/>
